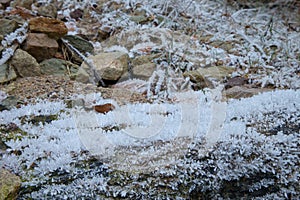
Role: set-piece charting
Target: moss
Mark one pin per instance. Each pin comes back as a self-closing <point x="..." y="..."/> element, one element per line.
<point x="35" y="120"/>
<point x="11" y="132"/>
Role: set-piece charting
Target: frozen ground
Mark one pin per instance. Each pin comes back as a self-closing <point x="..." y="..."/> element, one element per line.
<point x="197" y="146"/>
<point x="257" y="135"/>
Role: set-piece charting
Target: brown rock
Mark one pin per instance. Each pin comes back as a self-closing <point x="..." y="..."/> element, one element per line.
<point x="76" y="14"/>
<point x="25" y="64"/>
<point x="235" y="81"/>
<point x="22" y="12"/>
<point x="104" y="108"/>
<point x="245" y="91"/>
<point x="40" y="46"/>
<point x="52" y="27"/>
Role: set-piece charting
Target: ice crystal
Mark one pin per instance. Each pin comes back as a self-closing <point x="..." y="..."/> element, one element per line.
<point x="54" y="158"/>
<point x="18" y="35"/>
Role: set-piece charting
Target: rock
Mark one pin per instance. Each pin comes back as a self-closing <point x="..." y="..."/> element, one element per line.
<point x="82" y="45"/>
<point x="48" y="10"/>
<point x="109" y="66"/>
<point x="21" y="14"/>
<point x="3" y="95"/>
<point x="52" y="27"/>
<point x="144" y="71"/>
<point x="22" y="3"/>
<point x="139" y="19"/>
<point x="58" y="67"/>
<point x="204" y="77"/>
<point x="7" y="26"/>
<point x="5" y="3"/>
<point x="235" y="81"/>
<point x="157" y="37"/>
<point x="25" y="64"/>
<point x="104" y="33"/>
<point x="140" y="60"/>
<point x="82" y="76"/>
<point x="9" y="185"/>
<point x="40" y="46"/>
<point x="7" y="73"/>
<point x="76" y="14"/>
<point x="246" y="91"/>
<point x="9" y="102"/>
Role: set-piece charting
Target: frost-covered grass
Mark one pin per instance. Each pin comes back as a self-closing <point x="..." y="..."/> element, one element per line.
<point x="261" y="42"/>
<point x="55" y="159"/>
<point x="194" y="146"/>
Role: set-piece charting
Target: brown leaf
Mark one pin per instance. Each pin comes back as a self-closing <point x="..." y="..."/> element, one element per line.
<point x="104" y="108"/>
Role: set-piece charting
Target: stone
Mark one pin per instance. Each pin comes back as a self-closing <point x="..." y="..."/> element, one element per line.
<point x="5" y="3"/>
<point x="144" y="71"/>
<point x="82" y="45"/>
<point x="9" y="102"/>
<point x="76" y="14"/>
<point x="48" y="10"/>
<point x="58" y="67"/>
<point x="9" y="184"/>
<point x="82" y="76"/>
<point x="40" y="46"/>
<point x="7" y="26"/>
<point x="140" y="60"/>
<point x="109" y="66"/>
<point x="235" y="81"/>
<point x="54" y="28"/>
<point x="204" y="77"/>
<point x="245" y="91"/>
<point x="139" y="37"/>
<point x="7" y="73"/>
<point x="22" y="3"/>
<point x="21" y="14"/>
<point x="25" y="64"/>
<point x="104" y="33"/>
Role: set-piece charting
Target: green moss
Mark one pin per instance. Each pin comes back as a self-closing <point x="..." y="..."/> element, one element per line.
<point x="35" y="120"/>
<point x="11" y="132"/>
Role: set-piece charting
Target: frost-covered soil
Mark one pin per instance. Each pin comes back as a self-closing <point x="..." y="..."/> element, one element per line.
<point x="196" y="146"/>
<point x="256" y="152"/>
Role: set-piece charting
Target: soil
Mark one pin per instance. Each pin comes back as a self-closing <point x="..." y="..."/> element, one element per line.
<point x="30" y="89"/>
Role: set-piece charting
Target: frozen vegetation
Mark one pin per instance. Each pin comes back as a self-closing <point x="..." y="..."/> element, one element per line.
<point x="196" y="146"/>
<point x="256" y="154"/>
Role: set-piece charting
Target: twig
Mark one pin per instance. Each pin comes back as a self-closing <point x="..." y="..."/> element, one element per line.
<point x="89" y="63"/>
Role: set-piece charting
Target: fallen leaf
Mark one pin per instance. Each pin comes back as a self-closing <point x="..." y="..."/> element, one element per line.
<point x="104" y="108"/>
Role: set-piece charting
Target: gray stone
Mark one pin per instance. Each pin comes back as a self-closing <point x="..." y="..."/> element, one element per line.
<point x="109" y="66"/>
<point x="10" y="102"/>
<point x="22" y="3"/>
<point x="82" y="45"/>
<point x="48" y="10"/>
<point x="58" y="67"/>
<point x="144" y="71"/>
<point x="82" y="76"/>
<point x="25" y="64"/>
<point x="246" y="91"/>
<point x="158" y="36"/>
<point x="7" y="73"/>
<point x="40" y="46"/>
<point x="7" y="26"/>
<point x="9" y="185"/>
<point x="204" y="77"/>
